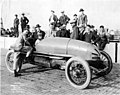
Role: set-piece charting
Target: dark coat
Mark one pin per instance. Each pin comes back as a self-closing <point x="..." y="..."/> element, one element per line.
<point x="64" y="20"/>
<point x="75" y="33"/>
<point x="88" y="37"/>
<point x="24" y="21"/>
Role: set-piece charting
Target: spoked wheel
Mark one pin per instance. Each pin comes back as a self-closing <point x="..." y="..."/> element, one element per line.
<point x="9" y="60"/>
<point x="107" y="61"/>
<point x="78" y="73"/>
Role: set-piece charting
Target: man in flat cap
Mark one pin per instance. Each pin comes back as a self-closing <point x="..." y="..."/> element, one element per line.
<point x="24" y="21"/>
<point x="16" y="25"/>
<point x="53" y="22"/>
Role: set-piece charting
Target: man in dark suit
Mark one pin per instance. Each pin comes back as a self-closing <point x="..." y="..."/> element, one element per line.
<point x="64" y="19"/>
<point x="16" y="24"/>
<point x="24" y="21"/>
<point x="102" y="39"/>
<point x="75" y="31"/>
<point x="88" y="36"/>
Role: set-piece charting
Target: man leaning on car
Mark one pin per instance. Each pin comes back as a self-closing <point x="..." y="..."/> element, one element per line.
<point x="21" y="45"/>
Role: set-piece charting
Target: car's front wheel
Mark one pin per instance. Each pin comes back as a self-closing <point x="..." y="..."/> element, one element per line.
<point x="78" y="73"/>
<point x="9" y="60"/>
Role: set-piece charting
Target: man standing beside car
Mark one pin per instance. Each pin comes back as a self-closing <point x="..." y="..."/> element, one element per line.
<point x="21" y="45"/>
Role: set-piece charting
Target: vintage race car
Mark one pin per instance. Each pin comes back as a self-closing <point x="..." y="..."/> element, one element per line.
<point x="82" y="59"/>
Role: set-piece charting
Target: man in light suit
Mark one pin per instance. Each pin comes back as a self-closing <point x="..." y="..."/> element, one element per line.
<point x="24" y="21"/>
<point x="82" y="19"/>
<point x="82" y="23"/>
<point x="53" y="23"/>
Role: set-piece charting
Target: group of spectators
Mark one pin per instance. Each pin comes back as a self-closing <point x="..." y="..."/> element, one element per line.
<point x="81" y="30"/>
<point x="14" y="31"/>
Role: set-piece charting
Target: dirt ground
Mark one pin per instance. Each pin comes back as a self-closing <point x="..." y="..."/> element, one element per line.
<point x="36" y="80"/>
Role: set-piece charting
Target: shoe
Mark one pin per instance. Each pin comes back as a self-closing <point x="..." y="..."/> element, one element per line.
<point x="62" y="67"/>
<point x="16" y="74"/>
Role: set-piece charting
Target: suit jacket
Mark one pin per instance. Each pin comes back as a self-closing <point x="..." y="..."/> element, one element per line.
<point x="82" y="20"/>
<point x="64" y="20"/>
<point x="55" y="19"/>
<point x="88" y="37"/>
<point x="24" y="21"/>
<point x="16" y="22"/>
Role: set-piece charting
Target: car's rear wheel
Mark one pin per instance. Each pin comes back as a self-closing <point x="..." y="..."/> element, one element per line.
<point x="107" y="61"/>
<point x="9" y="60"/>
<point x="78" y="73"/>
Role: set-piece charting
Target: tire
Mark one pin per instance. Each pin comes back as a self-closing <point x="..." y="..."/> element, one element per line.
<point x="9" y="60"/>
<point x="107" y="62"/>
<point x="79" y="71"/>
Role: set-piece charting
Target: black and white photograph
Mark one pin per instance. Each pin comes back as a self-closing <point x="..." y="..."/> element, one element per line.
<point x="59" y="47"/>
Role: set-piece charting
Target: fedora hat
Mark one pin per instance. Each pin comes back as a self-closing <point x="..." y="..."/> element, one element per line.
<point x="37" y="26"/>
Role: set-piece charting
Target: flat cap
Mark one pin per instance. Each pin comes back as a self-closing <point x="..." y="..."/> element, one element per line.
<point x="23" y="13"/>
<point x="81" y="10"/>
<point x="52" y="11"/>
<point x="62" y="11"/>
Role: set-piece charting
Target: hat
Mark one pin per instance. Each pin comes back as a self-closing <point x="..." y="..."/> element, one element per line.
<point x="92" y="26"/>
<point x="73" y="21"/>
<point x="101" y="26"/>
<point x="16" y="15"/>
<point x="52" y="11"/>
<point x="81" y="10"/>
<point x="75" y="15"/>
<point x="62" y="11"/>
<point x="27" y="27"/>
<point x="23" y="13"/>
<point x="37" y="26"/>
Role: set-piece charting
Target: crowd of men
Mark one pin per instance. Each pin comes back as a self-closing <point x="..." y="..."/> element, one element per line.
<point x="81" y="30"/>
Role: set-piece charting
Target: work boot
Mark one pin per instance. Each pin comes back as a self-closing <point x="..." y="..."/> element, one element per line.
<point x="16" y="74"/>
